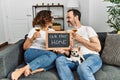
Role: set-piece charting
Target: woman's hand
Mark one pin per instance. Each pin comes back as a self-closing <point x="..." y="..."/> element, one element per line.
<point x="61" y="51"/>
<point x="36" y="35"/>
<point x="29" y="41"/>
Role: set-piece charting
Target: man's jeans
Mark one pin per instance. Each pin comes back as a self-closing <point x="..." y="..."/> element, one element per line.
<point x="36" y="58"/>
<point x="85" y="70"/>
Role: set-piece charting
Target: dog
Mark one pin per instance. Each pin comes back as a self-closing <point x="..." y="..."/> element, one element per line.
<point x="76" y="56"/>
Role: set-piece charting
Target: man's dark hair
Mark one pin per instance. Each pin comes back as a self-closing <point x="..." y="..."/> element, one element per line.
<point x="75" y="13"/>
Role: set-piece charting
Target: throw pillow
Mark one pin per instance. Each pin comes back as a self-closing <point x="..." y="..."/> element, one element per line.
<point x="111" y="51"/>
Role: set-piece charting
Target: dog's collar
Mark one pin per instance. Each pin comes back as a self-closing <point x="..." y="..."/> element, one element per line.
<point x="76" y="55"/>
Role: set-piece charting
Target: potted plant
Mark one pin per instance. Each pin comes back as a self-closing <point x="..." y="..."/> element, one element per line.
<point x="57" y="26"/>
<point x="114" y="14"/>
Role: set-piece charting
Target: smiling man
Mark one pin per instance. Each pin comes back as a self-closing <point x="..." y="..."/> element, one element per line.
<point x="86" y="38"/>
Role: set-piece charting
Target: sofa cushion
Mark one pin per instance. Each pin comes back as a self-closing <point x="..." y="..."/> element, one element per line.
<point x="111" y="51"/>
<point x="46" y="75"/>
<point x="10" y="58"/>
<point x="108" y="72"/>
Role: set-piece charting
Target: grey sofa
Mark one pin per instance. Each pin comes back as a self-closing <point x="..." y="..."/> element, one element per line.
<point x="12" y="57"/>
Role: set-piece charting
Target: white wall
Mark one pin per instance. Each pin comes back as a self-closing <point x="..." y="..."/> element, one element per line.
<point x="98" y="15"/>
<point x="84" y="9"/>
<point x="93" y="13"/>
<point x="2" y="31"/>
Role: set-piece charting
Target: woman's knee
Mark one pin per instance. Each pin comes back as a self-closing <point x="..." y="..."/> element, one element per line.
<point x="53" y="55"/>
<point x="26" y="52"/>
<point x="27" y="55"/>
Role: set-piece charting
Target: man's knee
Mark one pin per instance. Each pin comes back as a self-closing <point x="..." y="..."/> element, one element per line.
<point x="60" y="59"/>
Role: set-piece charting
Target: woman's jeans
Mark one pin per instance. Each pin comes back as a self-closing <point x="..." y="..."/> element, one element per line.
<point x="85" y="70"/>
<point x="37" y="58"/>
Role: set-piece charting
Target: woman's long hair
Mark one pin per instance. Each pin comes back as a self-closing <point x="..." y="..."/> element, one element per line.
<point x="42" y="18"/>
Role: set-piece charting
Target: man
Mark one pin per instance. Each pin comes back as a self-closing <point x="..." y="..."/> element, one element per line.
<point x="87" y="39"/>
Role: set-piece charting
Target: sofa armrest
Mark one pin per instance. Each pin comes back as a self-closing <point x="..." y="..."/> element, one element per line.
<point x="102" y="38"/>
<point x="10" y="57"/>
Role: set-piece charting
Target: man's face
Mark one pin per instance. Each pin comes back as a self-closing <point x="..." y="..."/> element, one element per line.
<point x="70" y="18"/>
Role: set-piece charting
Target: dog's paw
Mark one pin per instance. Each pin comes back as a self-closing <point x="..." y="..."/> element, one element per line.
<point x="82" y="59"/>
<point x="79" y="62"/>
<point x="69" y="59"/>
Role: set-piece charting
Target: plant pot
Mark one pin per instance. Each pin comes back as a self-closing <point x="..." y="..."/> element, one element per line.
<point x="57" y="28"/>
<point x="118" y="32"/>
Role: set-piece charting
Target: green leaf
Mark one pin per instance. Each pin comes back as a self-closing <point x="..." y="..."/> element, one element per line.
<point x="114" y="14"/>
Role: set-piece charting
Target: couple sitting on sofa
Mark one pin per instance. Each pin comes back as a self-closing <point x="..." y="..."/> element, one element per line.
<point x="38" y="59"/>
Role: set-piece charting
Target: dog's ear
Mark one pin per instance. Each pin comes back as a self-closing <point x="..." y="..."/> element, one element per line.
<point x="78" y="48"/>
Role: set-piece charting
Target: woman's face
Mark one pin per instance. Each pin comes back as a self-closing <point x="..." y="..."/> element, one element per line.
<point x="51" y="23"/>
<point x="53" y="19"/>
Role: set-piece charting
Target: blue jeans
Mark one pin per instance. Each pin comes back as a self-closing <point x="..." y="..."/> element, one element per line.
<point x="37" y="58"/>
<point x="85" y="70"/>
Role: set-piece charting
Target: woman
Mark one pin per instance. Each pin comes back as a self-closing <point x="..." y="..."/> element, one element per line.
<point x="36" y="57"/>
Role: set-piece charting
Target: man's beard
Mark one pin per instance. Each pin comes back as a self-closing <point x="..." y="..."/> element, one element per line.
<point x="69" y="24"/>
